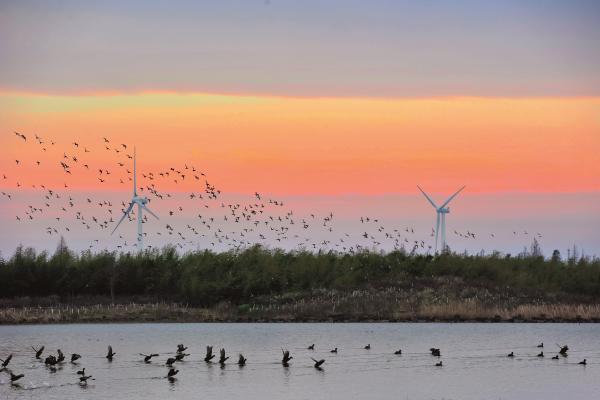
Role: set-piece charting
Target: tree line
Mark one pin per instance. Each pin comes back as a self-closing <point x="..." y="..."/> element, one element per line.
<point x="207" y="277"/>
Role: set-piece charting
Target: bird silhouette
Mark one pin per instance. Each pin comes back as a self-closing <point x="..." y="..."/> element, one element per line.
<point x="318" y="363"/>
<point x="181" y="348"/>
<point x="110" y="354"/>
<point x="209" y="354"/>
<point x="50" y="361"/>
<point x="38" y="352"/>
<point x="242" y="360"/>
<point x="563" y="350"/>
<point x="148" y="357"/>
<point x="6" y="361"/>
<point x="14" y="378"/>
<point x="286" y="357"/>
<point x="222" y="357"/>
<point x="180" y="356"/>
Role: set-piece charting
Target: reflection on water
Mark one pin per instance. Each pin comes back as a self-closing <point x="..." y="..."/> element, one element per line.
<point x="475" y="362"/>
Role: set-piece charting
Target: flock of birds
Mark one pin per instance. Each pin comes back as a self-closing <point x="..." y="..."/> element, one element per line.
<point x="198" y="214"/>
<point x="51" y="361"/>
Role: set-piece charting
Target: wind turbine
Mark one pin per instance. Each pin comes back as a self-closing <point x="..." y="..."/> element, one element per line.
<point x="141" y="203"/>
<point x="441" y="216"/>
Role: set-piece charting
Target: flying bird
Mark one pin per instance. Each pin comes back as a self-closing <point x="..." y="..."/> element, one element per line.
<point x="318" y="363"/>
<point x="110" y="354"/>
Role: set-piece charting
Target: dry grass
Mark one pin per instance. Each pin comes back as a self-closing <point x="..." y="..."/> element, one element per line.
<point x="472" y="311"/>
<point x="444" y="303"/>
<point x="98" y="313"/>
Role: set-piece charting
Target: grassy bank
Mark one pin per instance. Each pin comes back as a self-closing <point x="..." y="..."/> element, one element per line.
<point x="442" y="300"/>
<point x="298" y="312"/>
<point x="272" y="285"/>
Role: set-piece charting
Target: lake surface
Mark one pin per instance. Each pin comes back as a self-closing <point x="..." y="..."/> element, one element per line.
<point x="475" y="365"/>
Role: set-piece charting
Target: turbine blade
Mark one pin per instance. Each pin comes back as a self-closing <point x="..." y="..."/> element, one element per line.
<point x="126" y="213"/>
<point x="453" y="196"/>
<point x="428" y="198"/>
<point x="151" y="213"/>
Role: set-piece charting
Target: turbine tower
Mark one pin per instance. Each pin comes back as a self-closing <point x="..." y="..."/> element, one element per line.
<point x="441" y="216"/>
<point x="141" y="203"/>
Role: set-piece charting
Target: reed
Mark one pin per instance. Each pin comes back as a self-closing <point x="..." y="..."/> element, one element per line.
<point x="322" y="305"/>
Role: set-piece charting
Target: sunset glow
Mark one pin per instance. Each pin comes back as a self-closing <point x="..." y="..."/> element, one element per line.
<point x="331" y="107"/>
<point x="328" y="145"/>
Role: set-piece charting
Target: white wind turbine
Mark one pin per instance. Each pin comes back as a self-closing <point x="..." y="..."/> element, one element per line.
<point x="441" y="216"/>
<point x="141" y="203"/>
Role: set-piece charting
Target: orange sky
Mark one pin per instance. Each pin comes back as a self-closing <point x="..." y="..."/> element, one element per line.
<point x="318" y="145"/>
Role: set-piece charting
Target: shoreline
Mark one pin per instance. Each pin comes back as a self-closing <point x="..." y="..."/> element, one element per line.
<point x="174" y="313"/>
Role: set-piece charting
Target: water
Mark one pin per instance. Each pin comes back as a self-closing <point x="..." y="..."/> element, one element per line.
<point x="475" y="365"/>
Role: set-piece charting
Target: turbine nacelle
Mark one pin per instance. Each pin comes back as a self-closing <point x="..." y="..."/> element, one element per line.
<point x="441" y="212"/>
<point x="141" y="202"/>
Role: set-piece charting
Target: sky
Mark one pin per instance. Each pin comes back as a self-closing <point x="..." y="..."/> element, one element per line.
<point x="330" y="106"/>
